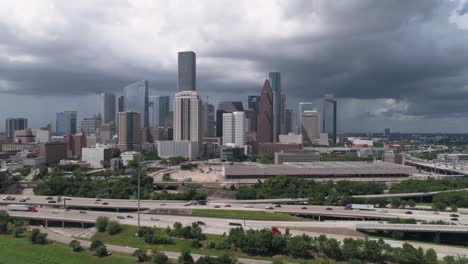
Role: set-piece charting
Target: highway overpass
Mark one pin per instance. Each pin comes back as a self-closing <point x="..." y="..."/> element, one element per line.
<point x="420" y="228"/>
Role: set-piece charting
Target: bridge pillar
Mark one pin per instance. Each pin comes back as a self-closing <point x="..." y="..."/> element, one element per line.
<point x="319" y="217"/>
<point x="82" y="225"/>
<point x="63" y="224"/>
<point x="46" y="222"/>
<point x="437" y="238"/>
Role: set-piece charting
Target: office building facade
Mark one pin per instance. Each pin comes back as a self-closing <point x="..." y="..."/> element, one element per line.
<point x="310" y="127"/>
<point x="226" y="107"/>
<point x="108" y="107"/>
<point x="187" y="116"/>
<point x="329" y="123"/>
<point x="12" y="124"/>
<point x="253" y="103"/>
<point x="129" y="131"/>
<point x="187" y="71"/>
<point x="265" y="114"/>
<point x="89" y="125"/>
<point x="303" y="106"/>
<point x="275" y="83"/>
<point x="136" y="100"/>
<point x="65" y="123"/>
<point x="163" y="109"/>
<point x="234" y="128"/>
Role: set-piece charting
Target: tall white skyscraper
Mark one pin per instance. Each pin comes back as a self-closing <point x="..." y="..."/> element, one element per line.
<point x="187" y="116"/>
<point x="310" y="127"/>
<point x="234" y="128"/>
<point x="108" y="108"/>
<point x="303" y="106"/>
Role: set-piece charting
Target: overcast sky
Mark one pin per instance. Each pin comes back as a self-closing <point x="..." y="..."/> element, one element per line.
<point x="397" y="63"/>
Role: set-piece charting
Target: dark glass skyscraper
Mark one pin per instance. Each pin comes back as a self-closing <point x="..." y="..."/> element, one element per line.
<point x="225" y="107"/>
<point x="187" y="71"/>
<point x="329" y="122"/>
<point x="163" y="109"/>
<point x="65" y="123"/>
<point x="108" y="108"/>
<point x="13" y="124"/>
<point x="137" y="100"/>
<point x="254" y="104"/>
<point x="265" y="115"/>
<point x="275" y="83"/>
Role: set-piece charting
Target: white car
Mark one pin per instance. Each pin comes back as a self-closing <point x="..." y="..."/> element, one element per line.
<point x="248" y="206"/>
<point x="55" y="212"/>
<point x="154" y="218"/>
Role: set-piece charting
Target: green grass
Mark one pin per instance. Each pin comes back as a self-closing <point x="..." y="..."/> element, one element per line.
<point x="127" y="238"/>
<point x="21" y="251"/>
<point x="244" y="214"/>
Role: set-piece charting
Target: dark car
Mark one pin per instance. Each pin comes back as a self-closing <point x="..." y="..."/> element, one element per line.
<point x="98" y="200"/>
<point x="454" y="219"/>
<point x="49" y="198"/>
<point x="120" y="217"/>
<point x="51" y="202"/>
<point x="105" y="203"/>
<point x="408" y="212"/>
<point x="277" y="205"/>
<point x="303" y="208"/>
<point x="201" y="223"/>
<point x="329" y="208"/>
<point x="82" y="212"/>
<point x="129" y="216"/>
<point x="454" y="215"/>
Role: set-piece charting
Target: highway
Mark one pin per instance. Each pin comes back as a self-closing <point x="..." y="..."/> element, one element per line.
<point x="413" y="228"/>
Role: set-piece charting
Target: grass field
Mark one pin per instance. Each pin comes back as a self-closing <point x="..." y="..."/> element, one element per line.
<point x="21" y="251"/>
<point x="248" y="215"/>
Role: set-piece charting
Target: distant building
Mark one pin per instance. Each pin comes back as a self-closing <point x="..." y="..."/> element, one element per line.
<point x="271" y="148"/>
<point x="187" y="70"/>
<point x="107" y="132"/>
<point x="41" y="135"/>
<point x="303" y="106"/>
<point x="296" y="156"/>
<point x="130" y="156"/>
<point x="234" y="129"/>
<point x="25" y="136"/>
<point x="310" y="127"/>
<point x="52" y="152"/>
<point x="129" y="131"/>
<point x="66" y="123"/>
<point x="187" y="115"/>
<point x="329" y="114"/>
<point x="5" y="179"/>
<point x="225" y="107"/>
<point x="137" y="101"/>
<point x="12" y="124"/>
<point x="289" y="121"/>
<point x="275" y="82"/>
<point x="90" y="124"/>
<point x="74" y="144"/>
<point x="208" y="120"/>
<point x="96" y="156"/>
<point x="108" y="107"/>
<point x="184" y="148"/>
<point x="163" y="108"/>
<point x="254" y="105"/>
<point x="265" y="115"/>
<point x="393" y="157"/>
<point x="290" y="138"/>
<point x="387" y="132"/>
<point x="211" y="147"/>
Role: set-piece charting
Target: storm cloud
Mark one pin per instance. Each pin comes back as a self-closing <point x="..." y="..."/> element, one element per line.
<point x="394" y="63"/>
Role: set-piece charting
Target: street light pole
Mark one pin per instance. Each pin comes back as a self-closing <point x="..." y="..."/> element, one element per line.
<point x="138" y="194"/>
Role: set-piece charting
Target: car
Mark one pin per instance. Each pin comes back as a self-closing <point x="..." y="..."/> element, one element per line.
<point x="154" y="218"/>
<point x="26" y="198"/>
<point x="328" y="208"/>
<point x="98" y="200"/>
<point x="82" y="212"/>
<point x="201" y="223"/>
<point x="129" y="216"/>
<point x="303" y="208"/>
<point x="217" y="206"/>
<point x="163" y="204"/>
<point x="277" y="205"/>
<point x="55" y="212"/>
<point x="109" y="252"/>
<point x="105" y="203"/>
<point x="408" y="212"/>
<point x="248" y="206"/>
<point x="454" y="215"/>
<point x="454" y="219"/>
<point x="68" y="199"/>
<point x="269" y="207"/>
<point x="49" y="198"/>
<point x="52" y="202"/>
<point x="22" y="200"/>
<point x="383" y="211"/>
<point x="120" y="217"/>
<point x="227" y="205"/>
<point x="9" y="198"/>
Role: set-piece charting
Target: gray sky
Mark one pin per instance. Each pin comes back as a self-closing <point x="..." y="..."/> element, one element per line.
<point x="399" y="64"/>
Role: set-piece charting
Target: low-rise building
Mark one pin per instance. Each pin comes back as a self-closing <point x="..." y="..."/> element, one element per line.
<point x="186" y="149"/>
<point x="52" y="152"/>
<point x="129" y="156"/>
<point x="290" y="138"/>
<point x="393" y="157"/>
<point x="271" y="148"/>
<point x="97" y="155"/>
<point x="296" y="156"/>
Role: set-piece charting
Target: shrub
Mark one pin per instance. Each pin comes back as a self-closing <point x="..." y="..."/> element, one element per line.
<point x="113" y="227"/>
<point x="160" y="258"/>
<point x="37" y="237"/>
<point x="101" y="251"/>
<point x="101" y="223"/>
<point x="75" y="245"/>
<point x="141" y="255"/>
<point x="95" y="244"/>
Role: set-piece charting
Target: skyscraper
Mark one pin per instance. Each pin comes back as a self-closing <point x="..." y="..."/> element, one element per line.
<point x="303" y="106"/>
<point x="275" y="82"/>
<point x="234" y="129"/>
<point x="65" y="123"/>
<point x="254" y="103"/>
<point x="225" y="107"/>
<point x="90" y="124"/>
<point x="121" y="104"/>
<point x="187" y="116"/>
<point x="310" y="127"/>
<point x="129" y="131"/>
<point x="137" y="100"/>
<point x="163" y="107"/>
<point x="208" y="120"/>
<point x="186" y="78"/>
<point x="288" y="120"/>
<point x="265" y="115"/>
<point x="329" y="124"/>
<point x="12" y="124"/>
<point x="107" y="107"/>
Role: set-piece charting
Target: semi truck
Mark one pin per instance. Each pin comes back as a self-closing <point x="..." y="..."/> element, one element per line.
<point x="21" y="207"/>
<point x="369" y="207"/>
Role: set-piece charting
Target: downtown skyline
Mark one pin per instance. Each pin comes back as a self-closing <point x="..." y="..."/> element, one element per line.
<point x="378" y="78"/>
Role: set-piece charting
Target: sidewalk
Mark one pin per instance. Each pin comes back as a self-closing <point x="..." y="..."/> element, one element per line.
<point x="129" y="250"/>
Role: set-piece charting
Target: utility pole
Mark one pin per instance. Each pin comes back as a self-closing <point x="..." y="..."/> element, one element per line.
<point x="138" y="194"/>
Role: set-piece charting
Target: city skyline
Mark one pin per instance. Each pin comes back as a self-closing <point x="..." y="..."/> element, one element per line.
<point x="377" y="77"/>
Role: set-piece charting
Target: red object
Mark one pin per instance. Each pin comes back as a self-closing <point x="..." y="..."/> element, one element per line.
<point x="275" y="230"/>
<point x="32" y="208"/>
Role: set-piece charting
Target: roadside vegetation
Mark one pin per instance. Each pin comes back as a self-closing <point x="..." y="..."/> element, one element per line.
<point x="429" y="185"/>
<point x="243" y="214"/>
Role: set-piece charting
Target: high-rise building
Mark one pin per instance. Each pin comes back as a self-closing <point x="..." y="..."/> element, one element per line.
<point x="329" y="124"/>
<point x="107" y="107"/>
<point x="265" y="114"/>
<point x="137" y="100"/>
<point x="288" y="120"/>
<point x="187" y="70"/>
<point x="275" y="83"/>
<point x="303" y="106"/>
<point x="65" y="123"/>
<point x="387" y="132"/>
<point x="121" y="104"/>
<point x="310" y="127"/>
<point x="74" y="144"/>
<point x="208" y="120"/>
<point x="163" y="109"/>
<point x="12" y="124"/>
<point x="129" y="131"/>
<point x="52" y="152"/>
<point x="90" y="124"/>
<point x="251" y="119"/>
<point x="234" y="129"/>
<point x="187" y="116"/>
<point x="225" y="107"/>
<point x="254" y="104"/>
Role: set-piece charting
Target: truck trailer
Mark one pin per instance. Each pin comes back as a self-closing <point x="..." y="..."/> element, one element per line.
<point x="369" y="207"/>
<point x="21" y="207"/>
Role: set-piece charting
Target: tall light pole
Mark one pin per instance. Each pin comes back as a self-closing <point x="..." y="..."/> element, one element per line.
<point x="138" y="194"/>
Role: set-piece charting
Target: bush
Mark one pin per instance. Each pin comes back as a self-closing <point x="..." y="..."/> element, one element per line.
<point x="75" y="245"/>
<point x="141" y="255"/>
<point x="95" y="244"/>
<point x="100" y="251"/>
<point x="101" y="223"/>
<point x="185" y="258"/>
<point x="37" y="237"/>
<point x="160" y="258"/>
<point x="113" y="227"/>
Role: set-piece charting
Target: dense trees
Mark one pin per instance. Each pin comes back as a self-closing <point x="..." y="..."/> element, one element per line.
<point x="429" y="185"/>
<point x="319" y="192"/>
<point x="450" y="199"/>
<point x="4" y="220"/>
<point x="113" y="227"/>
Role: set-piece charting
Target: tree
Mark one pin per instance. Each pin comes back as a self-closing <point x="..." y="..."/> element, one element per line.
<point x="113" y="227"/>
<point x="4" y="220"/>
<point x="185" y="258"/>
<point x="75" y="245"/>
<point x="101" y="223"/>
<point x="37" y="237"/>
<point x="141" y="255"/>
<point x="411" y="203"/>
<point x="299" y="247"/>
<point x="95" y="244"/>
<point x="160" y="258"/>
<point x="166" y="176"/>
<point x="431" y="256"/>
